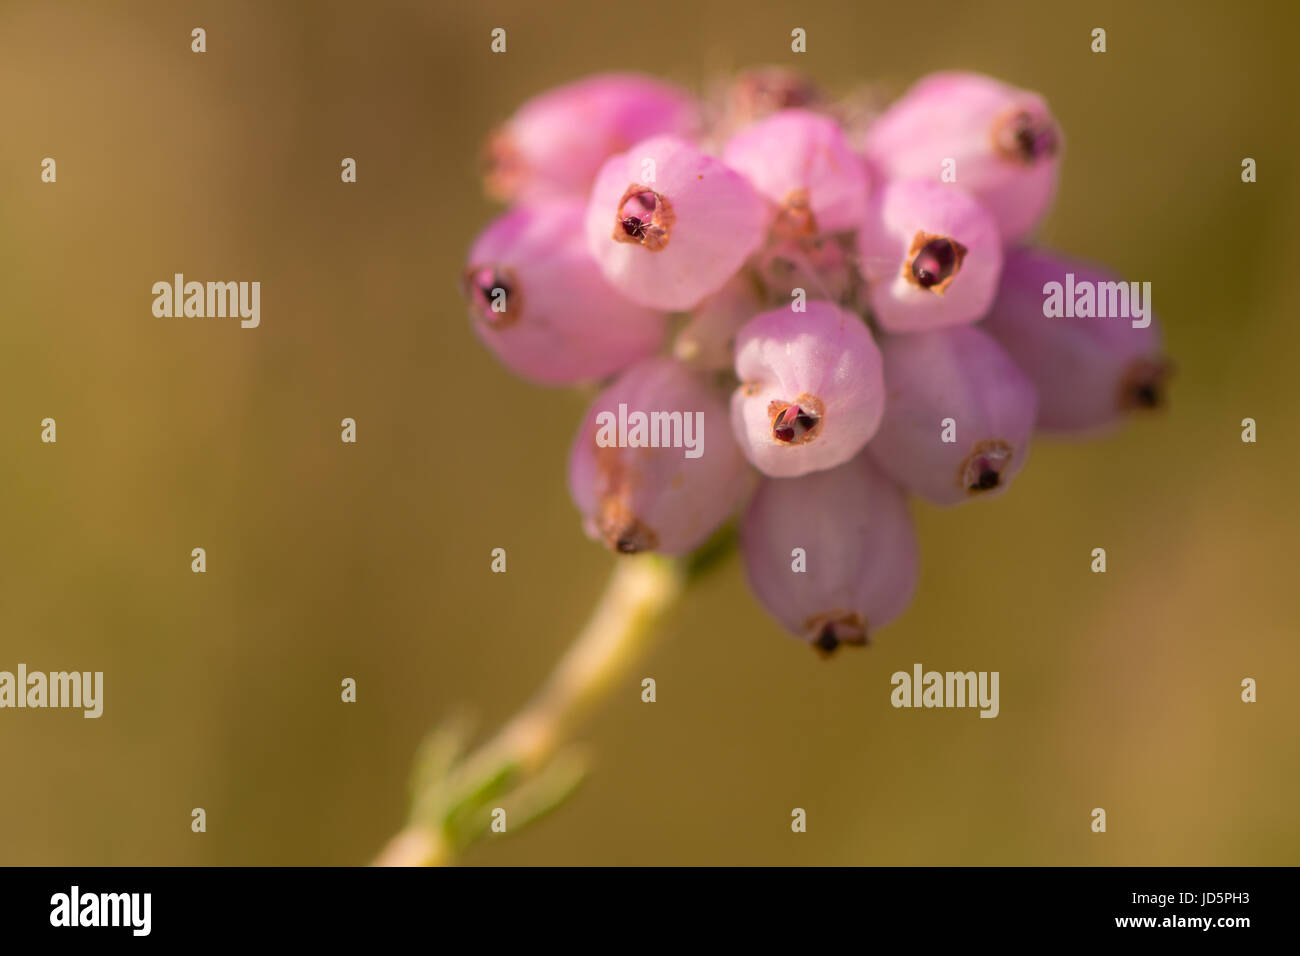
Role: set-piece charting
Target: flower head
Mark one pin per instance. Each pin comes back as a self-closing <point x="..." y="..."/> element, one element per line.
<point x="878" y="321"/>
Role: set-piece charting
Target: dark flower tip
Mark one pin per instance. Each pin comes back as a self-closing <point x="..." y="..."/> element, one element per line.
<point x="644" y="217"/>
<point x="828" y="634"/>
<point x="797" y="422"/>
<point x="1024" y="137"/>
<point x="493" y="294"/>
<point x="1143" y="385"/>
<point x="622" y="531"/>
<point x="933" y="262"/>
<point x="982" y="469"/>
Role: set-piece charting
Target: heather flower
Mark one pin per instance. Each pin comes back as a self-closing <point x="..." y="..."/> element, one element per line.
<point x="879" y="329"/>
<point x="538" y="300"/>
<point x="958" y="415"/>
<point x="669" y="225"/>
<point x="871" y="381"/>
<point x="931" y="255"/>
<point x="556" y="142"/>
<point x="859" y="551"/>
<point x="802" y="163"/>
<point x="811" y="392"/>
<point x="637" y="497"/>
<point x="1089" y="371"/>
<point x="1003" y="143"/>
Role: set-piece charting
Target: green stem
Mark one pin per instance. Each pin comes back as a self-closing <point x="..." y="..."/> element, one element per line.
<point x="452" y="804"/>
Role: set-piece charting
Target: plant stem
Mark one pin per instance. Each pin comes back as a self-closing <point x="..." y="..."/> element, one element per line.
<point x="622" y="626"/>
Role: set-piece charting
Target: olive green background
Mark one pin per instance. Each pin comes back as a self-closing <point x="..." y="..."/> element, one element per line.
<point x="371" y="561"/>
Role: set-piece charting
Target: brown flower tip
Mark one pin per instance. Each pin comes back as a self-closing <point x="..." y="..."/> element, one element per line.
<point x="1143" y="384"/>
<point x="493" y="295"/>
<point x="621" y="530"/>
<point x="504" y="167"/>
<point x="1024" y="137"/>
<point x="797" y="422"/>
<point x="795" y="220"/>
<point x="933" y="262"/>
<point x="615" y="521"/>
<point x="983" y="467"/>
<point x="827" y="633"/>
<point x="644" y="217"/>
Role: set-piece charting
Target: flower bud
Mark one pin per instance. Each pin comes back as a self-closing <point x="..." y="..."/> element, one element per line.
<point x="538" y="300"/>
<point x="1088" y="371"/>
<point x="801" y="162"/>
<point x="555" y="143"/>
<point x="858" y="567"/>
<point x="811" y="392"/>
<point x="931" y="255"/>
<point x="654" y="466"/>
<point x="669" y="225"/>
<point x="958" y="415"/>
<point x="999" y="143"/>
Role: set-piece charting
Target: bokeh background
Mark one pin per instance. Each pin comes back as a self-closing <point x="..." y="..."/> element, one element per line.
<point x="371" y="561"/>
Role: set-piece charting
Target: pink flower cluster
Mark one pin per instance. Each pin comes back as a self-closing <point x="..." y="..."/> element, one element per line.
<point x="866" y="296"/>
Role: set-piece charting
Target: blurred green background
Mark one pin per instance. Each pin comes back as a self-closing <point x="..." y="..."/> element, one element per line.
<point x="371" y="561"/>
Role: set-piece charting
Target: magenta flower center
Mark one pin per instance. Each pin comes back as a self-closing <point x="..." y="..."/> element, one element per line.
<point x="796" y="422"/>
<point x="933" y="262"/>
<point x="644" y="217"/>
<point x="936" y="262"/>
<point x="638" y="213"/>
